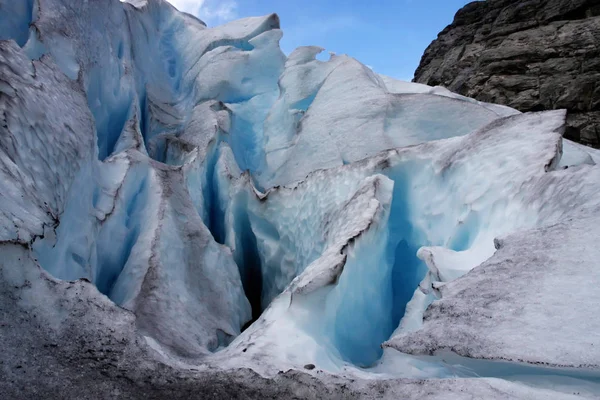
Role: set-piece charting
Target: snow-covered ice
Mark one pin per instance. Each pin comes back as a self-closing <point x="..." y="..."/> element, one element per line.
<point x="205" y="206"/>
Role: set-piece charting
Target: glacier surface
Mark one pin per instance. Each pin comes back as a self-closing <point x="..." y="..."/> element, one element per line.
<point x="185" y="207"/>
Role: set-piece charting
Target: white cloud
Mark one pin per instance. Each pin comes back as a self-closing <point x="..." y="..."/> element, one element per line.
<point x="213" y="12"/>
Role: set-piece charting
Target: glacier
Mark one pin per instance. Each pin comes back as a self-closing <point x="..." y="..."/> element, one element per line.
<point x="188" y="211"/>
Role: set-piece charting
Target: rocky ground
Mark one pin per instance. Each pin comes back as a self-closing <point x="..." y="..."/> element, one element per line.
<point x="88" y="348"/>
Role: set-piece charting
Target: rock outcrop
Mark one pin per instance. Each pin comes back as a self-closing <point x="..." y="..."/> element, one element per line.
<point x="531" y="55"/>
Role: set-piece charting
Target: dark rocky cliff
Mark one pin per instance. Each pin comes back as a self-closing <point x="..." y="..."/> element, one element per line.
<point x="528" y="54"/>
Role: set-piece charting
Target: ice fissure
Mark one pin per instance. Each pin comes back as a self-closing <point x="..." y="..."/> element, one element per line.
<point x="255" y="209"/>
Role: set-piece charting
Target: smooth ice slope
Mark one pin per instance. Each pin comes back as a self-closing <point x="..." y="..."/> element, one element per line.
<point x="244" y="209"/>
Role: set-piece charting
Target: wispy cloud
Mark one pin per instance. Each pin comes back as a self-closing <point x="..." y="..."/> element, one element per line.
<point x="213" y="12"/>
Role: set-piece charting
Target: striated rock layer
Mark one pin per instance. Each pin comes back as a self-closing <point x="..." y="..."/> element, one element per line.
<point x="531" y="55"/>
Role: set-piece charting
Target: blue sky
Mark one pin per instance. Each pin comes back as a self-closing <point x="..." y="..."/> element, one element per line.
<point x="388" y="35"/>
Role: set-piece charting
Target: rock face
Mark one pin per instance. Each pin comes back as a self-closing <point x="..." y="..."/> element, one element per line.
<point x="531" y="55"/>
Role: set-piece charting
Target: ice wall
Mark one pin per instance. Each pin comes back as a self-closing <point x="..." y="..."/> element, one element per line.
<point x="298" y="211"/>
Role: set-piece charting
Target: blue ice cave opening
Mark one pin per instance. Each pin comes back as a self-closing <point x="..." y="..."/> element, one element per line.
<point x="403" y="243"/>
<point x="215" y="215"/>
<point x="380" y="276"/>
<point x="383" y="271"/>
<point x="248" y="258"/>
<point x="359" y="308"/>
<point x="251" y="270"/>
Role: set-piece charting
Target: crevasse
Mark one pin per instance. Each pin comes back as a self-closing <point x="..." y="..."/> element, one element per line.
<point x="247" y="205"/>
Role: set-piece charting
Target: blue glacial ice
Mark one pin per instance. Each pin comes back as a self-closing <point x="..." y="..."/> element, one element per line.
<point x="262" y="210"/>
